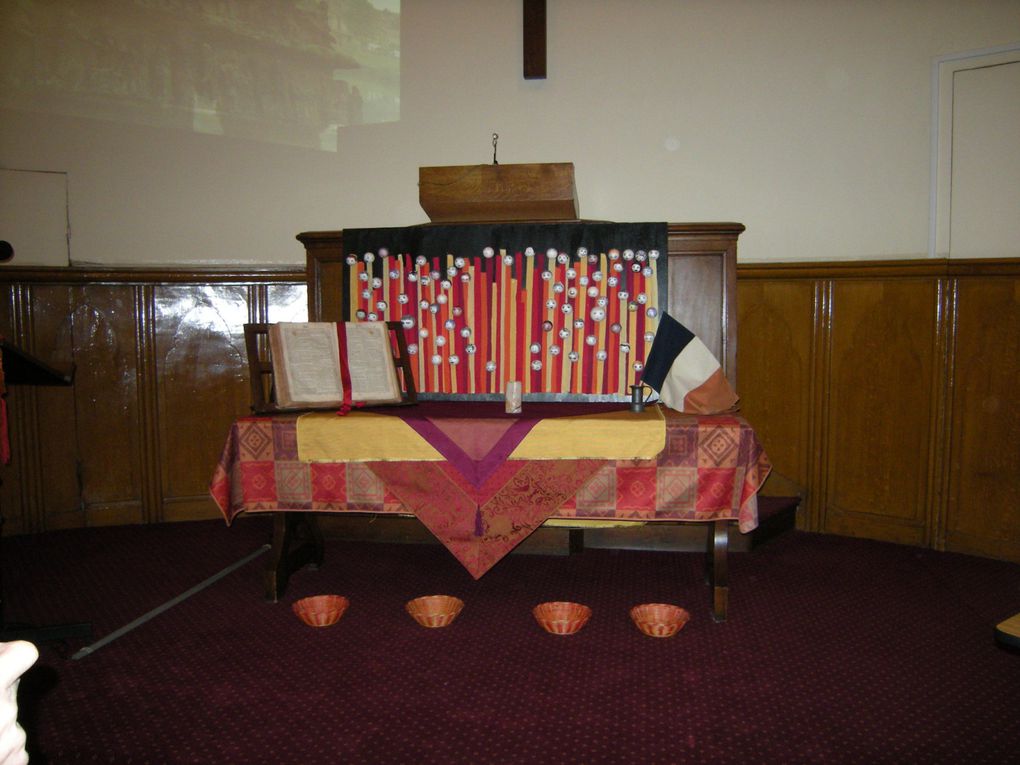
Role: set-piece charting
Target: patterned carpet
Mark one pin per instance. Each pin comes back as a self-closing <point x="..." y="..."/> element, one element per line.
<point x="837" y="650"/>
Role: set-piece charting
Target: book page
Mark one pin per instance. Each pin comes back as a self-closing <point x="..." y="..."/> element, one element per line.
<point x="370" y="359"/>
<point x="306" y="364"/>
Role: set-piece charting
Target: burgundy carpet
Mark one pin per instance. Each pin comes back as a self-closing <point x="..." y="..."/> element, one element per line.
<point x="837" y="650"/>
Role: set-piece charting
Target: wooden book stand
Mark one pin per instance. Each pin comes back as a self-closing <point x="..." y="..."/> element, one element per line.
<point x="260" y="368"/>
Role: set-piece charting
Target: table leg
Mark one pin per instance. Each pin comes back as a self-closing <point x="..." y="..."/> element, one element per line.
<point x="297" y="542"/>
<point x="716" y="574"/>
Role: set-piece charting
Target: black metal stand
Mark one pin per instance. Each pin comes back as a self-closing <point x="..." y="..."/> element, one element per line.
<point x="20" y="368"/>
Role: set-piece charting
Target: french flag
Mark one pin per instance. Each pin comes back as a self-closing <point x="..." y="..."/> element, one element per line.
<point x="684" y="372"/>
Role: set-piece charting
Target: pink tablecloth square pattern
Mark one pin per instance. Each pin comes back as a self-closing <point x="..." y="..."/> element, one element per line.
<point x="711" y="468"/>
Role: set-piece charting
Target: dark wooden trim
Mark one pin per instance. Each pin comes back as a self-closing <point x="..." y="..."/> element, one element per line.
<point x="91" y="275"/>
<point x="874" y="269"/>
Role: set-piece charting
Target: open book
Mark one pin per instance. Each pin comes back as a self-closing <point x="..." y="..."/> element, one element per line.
<point x="328" y="364"/>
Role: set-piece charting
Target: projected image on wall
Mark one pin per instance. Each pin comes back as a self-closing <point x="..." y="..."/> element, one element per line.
<point x="285" y="71"/>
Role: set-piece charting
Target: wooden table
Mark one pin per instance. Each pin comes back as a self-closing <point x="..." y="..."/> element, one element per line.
<point x="709" y="472"/>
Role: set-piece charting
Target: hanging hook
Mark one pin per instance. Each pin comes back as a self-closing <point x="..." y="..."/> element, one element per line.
<point x="495" y="140"/>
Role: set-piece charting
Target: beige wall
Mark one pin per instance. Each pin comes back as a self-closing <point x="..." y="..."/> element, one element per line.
<point x="806" y="120"/>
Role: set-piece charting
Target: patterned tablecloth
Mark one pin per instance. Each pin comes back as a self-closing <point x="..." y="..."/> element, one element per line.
<point x="711" y="468"/>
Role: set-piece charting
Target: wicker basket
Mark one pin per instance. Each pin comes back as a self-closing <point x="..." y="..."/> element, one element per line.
<point x="434" y="610"/>
<point x="321" y="610"/>
<point x="560" y="617"/>
<point x="659" y="619"/>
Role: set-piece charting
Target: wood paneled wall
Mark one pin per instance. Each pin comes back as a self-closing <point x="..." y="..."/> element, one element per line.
<point x="886" y="394"/>
<point x="159" y="374"/>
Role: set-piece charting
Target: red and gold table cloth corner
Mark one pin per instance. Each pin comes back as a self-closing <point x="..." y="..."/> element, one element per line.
<point x="710" y="468"/>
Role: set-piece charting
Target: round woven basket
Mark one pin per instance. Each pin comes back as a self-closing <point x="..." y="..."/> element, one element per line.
<point x="321" y="610"/>
<point x="560" y="617"/>
<point x="434" y="610"/>
<point x="659" y="619"/>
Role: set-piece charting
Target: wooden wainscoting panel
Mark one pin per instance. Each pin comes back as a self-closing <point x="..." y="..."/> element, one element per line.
<point x="53" y="456"/>
<point x="88" y="433"/>
<point x="775" y="361"/>
<point x="878" y="411"/>
<point x="44" y="453"/>
<point x="286" y="302"/>
<point x="159" y="375"/>
<point x="104" y="324"/>
<point x="201" y="385"/>
<point x="983" y="506"/>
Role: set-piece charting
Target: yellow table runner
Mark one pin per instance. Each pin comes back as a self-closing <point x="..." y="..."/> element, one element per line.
<point x="374" y="437"/>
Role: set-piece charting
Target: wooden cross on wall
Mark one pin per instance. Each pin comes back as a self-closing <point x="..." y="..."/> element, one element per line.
<point x="534" y="39"/>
